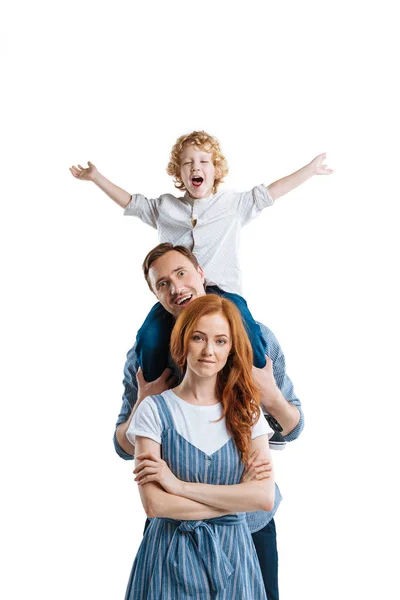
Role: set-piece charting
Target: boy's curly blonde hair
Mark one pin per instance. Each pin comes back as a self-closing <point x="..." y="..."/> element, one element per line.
<point x="204" y="142"/>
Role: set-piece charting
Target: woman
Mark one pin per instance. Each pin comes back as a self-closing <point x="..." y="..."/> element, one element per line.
<point x="198" y="544"/>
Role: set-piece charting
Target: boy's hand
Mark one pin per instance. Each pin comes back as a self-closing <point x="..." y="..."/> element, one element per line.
<point x="87" y="174"/>
<point x="152" y="388"/>
<point x="318" y="166"/>
<point x="259" y="467"/>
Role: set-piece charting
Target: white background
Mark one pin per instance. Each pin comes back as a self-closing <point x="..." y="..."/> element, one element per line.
<point x="277" y="83"/>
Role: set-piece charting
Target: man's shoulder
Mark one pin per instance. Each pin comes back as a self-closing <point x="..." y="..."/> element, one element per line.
<point x="131" y="356"/>
<point x="266" y="331"/>
<point x="273" y="346"/>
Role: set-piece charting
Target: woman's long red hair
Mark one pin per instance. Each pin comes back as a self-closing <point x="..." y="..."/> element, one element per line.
<point x="235" y="387"/>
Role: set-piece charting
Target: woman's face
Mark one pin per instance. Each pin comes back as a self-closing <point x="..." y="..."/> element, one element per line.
<point x="209" y="345"/>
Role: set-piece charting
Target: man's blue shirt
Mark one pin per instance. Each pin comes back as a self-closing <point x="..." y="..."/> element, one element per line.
<point x="256" y="520"/>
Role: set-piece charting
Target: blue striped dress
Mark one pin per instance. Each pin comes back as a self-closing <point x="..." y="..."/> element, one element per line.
<point x="197" y="560"/>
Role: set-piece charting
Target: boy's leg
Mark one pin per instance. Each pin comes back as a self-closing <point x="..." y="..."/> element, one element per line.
<point x="265" y="544"/>
<point x="152" y="342"/>
<point x="252" y="327"/>
<point x="258" y="344"/>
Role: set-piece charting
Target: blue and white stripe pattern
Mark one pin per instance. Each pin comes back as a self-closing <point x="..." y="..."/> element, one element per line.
<point x="212" y="559"/>
<point x="256" y="520"/>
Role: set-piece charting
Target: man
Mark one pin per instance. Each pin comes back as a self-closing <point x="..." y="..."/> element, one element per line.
<point x="175" y="277"/>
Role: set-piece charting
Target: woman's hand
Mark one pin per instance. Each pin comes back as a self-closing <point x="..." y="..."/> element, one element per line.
<point x="258" y="468"/>
<point x="153" y="468"/>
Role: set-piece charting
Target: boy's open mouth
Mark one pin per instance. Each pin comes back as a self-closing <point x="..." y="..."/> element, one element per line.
<point x="197" y="181"/>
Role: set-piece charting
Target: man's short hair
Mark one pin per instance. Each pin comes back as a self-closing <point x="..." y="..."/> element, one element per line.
<point x="159" y="251"/>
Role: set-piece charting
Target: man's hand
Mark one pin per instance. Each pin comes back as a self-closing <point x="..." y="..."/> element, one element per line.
<point x="87" y="174"/>
<point x="259" y="467"/>
<point x="265" y="382"/>
<point x="154" y="468"/>
<point x="318" y="166"/>
<point x="152" y="388"/>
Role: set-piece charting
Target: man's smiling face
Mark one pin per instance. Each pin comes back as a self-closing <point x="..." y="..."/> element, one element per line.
<point x="197" y="172"/>
<point x="176" y="281"/>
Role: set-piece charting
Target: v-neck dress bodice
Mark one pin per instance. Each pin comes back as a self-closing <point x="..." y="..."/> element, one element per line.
<point x="197" y="560"/>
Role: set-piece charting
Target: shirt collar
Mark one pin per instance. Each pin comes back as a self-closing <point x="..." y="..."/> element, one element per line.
<point x="193" y="201"/>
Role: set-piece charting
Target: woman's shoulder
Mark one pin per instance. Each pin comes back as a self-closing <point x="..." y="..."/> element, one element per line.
<point x="152" y="403"/>
<point x="158" y="408"/>
<point x="160" y="400"/>
<point x="146" y="422"/>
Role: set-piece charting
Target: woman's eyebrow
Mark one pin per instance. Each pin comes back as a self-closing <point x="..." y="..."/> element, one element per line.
<point x="216" y="335"/>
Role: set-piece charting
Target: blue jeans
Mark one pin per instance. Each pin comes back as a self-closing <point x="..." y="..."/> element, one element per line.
<point x="265" y="545"/>
<point x="152" y="341"/>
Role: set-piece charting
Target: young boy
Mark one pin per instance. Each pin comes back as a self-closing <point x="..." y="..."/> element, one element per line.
<point x="208" y="223"/>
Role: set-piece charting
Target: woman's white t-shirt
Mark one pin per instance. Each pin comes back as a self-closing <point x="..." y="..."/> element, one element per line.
<point x="197" y="424"/>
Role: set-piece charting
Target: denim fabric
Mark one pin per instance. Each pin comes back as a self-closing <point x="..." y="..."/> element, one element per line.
<point x="264" y="536"/>
<point x="274" y="352"/>
<point x="152" y="341"/>
<point x="265" y="544"/>
<point x="256" y="338"/>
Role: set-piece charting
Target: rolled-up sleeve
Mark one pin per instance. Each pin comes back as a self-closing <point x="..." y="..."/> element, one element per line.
<point x="251" y="203"/>
<point x="146" y="209"/>
<point x="128" y="399"/>
<point x="283" y="381"/>
<point x="146" y="422"/>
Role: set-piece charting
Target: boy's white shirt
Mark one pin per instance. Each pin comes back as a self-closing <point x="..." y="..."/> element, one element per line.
<point x="215" y="237"/>
<point x="199" y="425"/>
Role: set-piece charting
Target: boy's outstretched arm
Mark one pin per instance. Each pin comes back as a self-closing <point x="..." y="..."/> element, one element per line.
<point x="120" y="196"/>
<point x="289" y="183"/>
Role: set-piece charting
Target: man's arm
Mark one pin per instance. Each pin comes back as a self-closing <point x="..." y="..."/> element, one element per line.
<point x="122" y="447"/>
<point x="135" y="390"/>
<point x="290" y="182"/>
<point x="120" y="196"/>
<point x="273" y="401"/>
<point x="276" y="389"/>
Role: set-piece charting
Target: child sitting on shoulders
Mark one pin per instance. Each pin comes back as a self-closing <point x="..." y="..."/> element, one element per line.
<point x="207" y="222"/>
